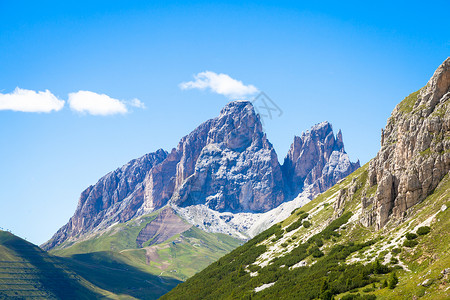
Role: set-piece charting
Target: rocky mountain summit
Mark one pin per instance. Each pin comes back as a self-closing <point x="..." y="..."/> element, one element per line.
<point x="226" y="165"/>
<point x="238" y="168"/>
<point x="317" y="160"/>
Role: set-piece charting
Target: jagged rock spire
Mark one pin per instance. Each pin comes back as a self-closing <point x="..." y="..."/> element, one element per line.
<point x="317" y="160"/>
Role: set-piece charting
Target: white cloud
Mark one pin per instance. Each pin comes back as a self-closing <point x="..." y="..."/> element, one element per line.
<point x="100" y="104"/>
<point x="30" y="101"/>
<point x="137" y="103"/>
<point x="221" y="84"/>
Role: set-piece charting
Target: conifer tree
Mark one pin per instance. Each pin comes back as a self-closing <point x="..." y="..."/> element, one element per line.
<point x="393" y="280"/>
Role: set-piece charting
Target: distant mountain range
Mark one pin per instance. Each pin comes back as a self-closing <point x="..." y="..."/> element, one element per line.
<point x="226" y="165"/>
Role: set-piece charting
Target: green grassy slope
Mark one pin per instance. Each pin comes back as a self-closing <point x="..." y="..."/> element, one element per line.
<point x="113" y="272"/>
<point x="118" y="237"/>
<point x="183" y="255"/>
<point x="180" y="257"/>
<point x="28" y="272"/>
<point x="322" y="258"/>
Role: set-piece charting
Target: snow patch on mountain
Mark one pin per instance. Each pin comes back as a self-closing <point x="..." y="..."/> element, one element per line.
<point x="240" y="225"/>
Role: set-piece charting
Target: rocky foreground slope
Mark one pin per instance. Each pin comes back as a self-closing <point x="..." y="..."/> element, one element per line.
<point x="225" y="167"/>
<point x="382" y="233"/>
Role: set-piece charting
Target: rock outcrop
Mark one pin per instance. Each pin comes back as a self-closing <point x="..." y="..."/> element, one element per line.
<point x="238" y="169"/>
<point x="163" y="227"/>
<point x="415" y="150"/>
<point x="116" y="197"/>
<point x="317" y="160"/>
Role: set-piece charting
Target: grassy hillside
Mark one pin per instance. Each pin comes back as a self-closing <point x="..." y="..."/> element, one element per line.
<point x="119" y="237"/>
<point x="179" y="257"/>
<point x="320" y="252"/>
<point x="28" y="272"/>
<point x="183" y="255"/>
<point x="113" y="272"/>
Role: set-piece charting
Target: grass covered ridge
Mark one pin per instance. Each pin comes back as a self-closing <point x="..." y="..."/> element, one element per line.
<point x="180" y="257"/>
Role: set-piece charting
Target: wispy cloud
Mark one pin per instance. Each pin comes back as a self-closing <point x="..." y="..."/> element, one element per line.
<point x="136" y="103"/>
<point x="30" y="101"/>
<point x="221" y="84"/>
<point x="100" y="104"/>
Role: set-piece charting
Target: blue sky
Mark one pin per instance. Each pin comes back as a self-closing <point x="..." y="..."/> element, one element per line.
<point x="348" y="63"/>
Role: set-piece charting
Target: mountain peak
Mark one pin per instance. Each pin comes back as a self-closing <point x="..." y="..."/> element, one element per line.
<point x="238" y="107"/>
<point x="237" y="127"/>
<point x="237" y="169"/>
<point x="317" y="160"/>
<point x="319" y="130"/>
<point x="322" y="126"/>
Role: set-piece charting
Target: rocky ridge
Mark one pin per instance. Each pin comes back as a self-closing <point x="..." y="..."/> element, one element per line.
<point x="114" y="198"/>
<point x="414" y="154"/>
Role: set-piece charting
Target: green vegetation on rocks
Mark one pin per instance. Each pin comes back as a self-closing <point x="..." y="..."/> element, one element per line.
<point x="224" y="280"/>
<point x="407" y="104"/>
<point x="410" y="243"/>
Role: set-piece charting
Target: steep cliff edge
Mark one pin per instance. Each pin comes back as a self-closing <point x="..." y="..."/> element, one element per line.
<point x="415" y="151"/>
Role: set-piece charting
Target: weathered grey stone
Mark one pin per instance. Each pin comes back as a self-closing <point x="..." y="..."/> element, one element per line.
<point x="415" y="152"/>
<point x="317" y="160"/>
<point x="238" y="169"/>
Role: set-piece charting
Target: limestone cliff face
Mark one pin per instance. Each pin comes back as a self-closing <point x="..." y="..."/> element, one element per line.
<point x="317" y="160"/>
<point x="164" y="179"/>
<point x="238" y="169"/>
<point x="114" y="198"/>
<point x="415" y="151"/>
